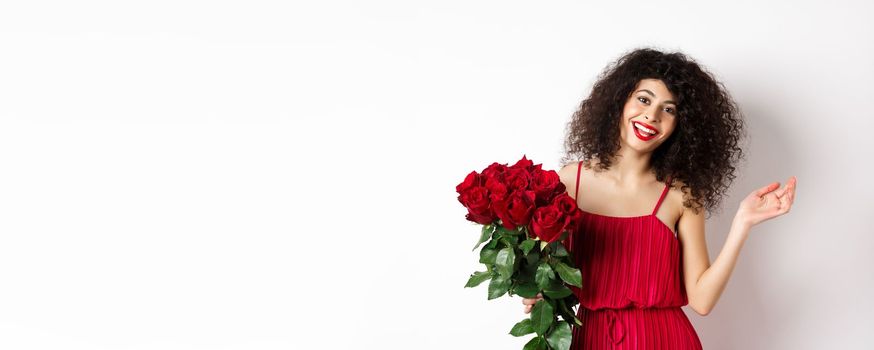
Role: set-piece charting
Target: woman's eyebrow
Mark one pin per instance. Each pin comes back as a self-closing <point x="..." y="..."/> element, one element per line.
<point x="653" y="95"/>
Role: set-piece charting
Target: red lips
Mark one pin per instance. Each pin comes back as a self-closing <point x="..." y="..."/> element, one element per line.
<point x="641" y="135"/>
<point x="648" y="126"/>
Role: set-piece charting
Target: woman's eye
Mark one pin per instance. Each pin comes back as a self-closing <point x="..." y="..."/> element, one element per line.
<point x="646" y="100"/>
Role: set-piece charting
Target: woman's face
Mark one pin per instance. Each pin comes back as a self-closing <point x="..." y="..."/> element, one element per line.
<point x="652" y="107"/>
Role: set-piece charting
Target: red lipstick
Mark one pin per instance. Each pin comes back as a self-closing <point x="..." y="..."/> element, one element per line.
<point x="641" y="135"/>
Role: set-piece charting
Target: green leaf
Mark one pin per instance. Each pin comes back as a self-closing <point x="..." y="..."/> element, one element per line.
<point x="505" y="231"/>
<point x="493" y="244"/>
<point x="557" y="291"/>
<point x="487" y="255"/>
<point x="536" y="343"/>
<point x="567" y="312"/>
<point x="527" y="290"/>
<point x="522" y="328"/>
<point x="485" y="235"/>
<point x="477" y="277"/>
<point x="517" y="262"/>
<point x="504" y="262"/>
<point x="510" y="240"/>
<point x="558" y="250"/>
<point x="542" y="316"/>
<point x="577" y="321"/>
<point x="560" y="337"/>
<point x="544" y="275"/>
<point x="569" y="274"/>
<point x="533" y="257"/>
<point x="498" y="286"/>
<point x="527" y="245"/>
<point x="562" y="309"/>
<point x="525" y="273"/>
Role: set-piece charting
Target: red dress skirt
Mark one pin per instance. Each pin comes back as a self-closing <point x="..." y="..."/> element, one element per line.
<point x="632" y="283"/>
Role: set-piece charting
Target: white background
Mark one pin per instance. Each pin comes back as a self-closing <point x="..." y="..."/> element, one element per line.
<point x="267" y="175"/>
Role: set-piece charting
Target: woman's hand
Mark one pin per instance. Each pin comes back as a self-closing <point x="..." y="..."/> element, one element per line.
<point x="767" y="202"/>
<point x="529" y="302"/>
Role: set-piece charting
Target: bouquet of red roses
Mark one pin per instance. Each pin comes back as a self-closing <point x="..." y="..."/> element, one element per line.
<point x="526" y="215"/>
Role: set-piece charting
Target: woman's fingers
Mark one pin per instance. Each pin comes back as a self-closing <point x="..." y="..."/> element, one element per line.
<point x="787" y="191"/>
<point x="790" y="183"/>
<point x="786" y="201"/>
<point x="538" y="297"/>
<point x="529" y="301"/>
<point x="781" y="192"/>
<point x="763" y="190"/>
<point x="789" y="187"/>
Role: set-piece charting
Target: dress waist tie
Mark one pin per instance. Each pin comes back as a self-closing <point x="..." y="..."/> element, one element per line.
<point x="615" y="327"/>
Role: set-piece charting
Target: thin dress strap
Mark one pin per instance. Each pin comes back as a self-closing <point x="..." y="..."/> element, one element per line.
<point x="577" y="192"/>
<point x="569" y="241"/>
<point x="664" y="193"/>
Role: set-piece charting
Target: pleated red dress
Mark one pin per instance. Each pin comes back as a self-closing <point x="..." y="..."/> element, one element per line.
<point x="632" y="283"/>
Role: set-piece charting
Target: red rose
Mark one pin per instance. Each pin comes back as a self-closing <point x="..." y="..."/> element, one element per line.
<point x="478" y="204"/>
<point x="516" y="209"/>
<point x="495" y="170"/>
<point x="568" y="206"/>
<point x="523" y="164"/>
<point x="547" y="185"/>
<point x="549" y="222"/>
<point x="498" y="192"/>
<point x="517" y="179"/>
<point x="471" y="180"/>
<point x="475" y="197"/>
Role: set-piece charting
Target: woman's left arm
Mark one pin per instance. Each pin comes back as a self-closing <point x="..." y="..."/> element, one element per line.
<point x="705" y="282"/>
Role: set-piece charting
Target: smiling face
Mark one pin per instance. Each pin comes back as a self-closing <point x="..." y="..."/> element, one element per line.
<point x="651" y="106"/>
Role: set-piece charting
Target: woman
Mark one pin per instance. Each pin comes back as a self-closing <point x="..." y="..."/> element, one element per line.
<point x="658" y="138"/>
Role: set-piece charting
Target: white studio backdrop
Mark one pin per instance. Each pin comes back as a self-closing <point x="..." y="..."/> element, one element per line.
<point x="274" y="175"/>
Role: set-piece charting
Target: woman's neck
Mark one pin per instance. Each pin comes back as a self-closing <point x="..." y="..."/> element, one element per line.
<point x="630" y="169"/>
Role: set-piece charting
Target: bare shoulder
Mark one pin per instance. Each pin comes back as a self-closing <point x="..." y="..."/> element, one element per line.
<point x="567" y="168"/>
<point x="676" y="186"/>
<point x="568" y="174"/>
<point x="689" y="222"/>
<point x="676" y="197"/>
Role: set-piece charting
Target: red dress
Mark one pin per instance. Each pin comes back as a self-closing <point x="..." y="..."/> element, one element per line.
<point x="632" y="283"/>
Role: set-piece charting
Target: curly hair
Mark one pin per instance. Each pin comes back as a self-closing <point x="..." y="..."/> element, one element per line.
<point x="702" y="152"/>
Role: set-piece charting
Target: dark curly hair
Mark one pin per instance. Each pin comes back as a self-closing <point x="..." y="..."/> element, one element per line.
<point x="702" y="152"/>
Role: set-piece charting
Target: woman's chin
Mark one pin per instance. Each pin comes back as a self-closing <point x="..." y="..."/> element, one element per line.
<point x="639" y="146"/>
